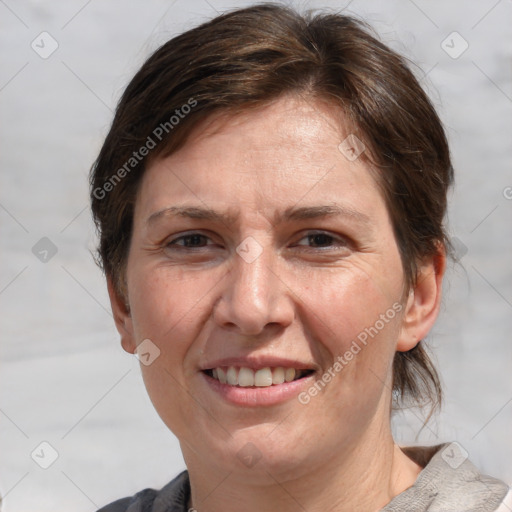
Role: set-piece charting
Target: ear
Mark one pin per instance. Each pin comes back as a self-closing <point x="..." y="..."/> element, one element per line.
<point x="122" y="318"/>
<point x="424" y="301"/>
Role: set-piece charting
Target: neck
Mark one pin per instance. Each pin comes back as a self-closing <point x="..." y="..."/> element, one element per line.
<point x="364" y="477"/>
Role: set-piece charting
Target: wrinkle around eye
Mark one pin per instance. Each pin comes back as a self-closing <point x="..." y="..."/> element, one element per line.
<point x="198" y="244"/>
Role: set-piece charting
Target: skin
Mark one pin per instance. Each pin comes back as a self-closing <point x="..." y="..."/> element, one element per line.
<point x="303" y="298"/>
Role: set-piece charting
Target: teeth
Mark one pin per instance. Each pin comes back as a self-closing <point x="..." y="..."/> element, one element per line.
<point x="221" y="376"/>
<point x="232" y="376"/>
<point x="247" y="377"/>
<point x="263" y="377"/>
<point x="278" y="375"/>
<point x="289" y="375"/>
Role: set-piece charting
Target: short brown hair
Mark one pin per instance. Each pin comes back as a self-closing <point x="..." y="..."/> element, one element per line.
<point x="250" y="57"/>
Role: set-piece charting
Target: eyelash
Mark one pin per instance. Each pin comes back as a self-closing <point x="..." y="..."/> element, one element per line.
<point x="341" y="242"/>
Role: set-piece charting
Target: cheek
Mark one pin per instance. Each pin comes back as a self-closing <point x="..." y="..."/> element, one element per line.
<point x="357" y="319"/>
<point x="169" y="309"/>
<point x="169" y="306"/>
<point x="355" y="323"/>
<point x="353" y="300"/>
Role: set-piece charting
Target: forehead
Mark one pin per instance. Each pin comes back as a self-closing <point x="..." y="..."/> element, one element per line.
<point x="279" y="155"/>
<point x="285" y="122"/>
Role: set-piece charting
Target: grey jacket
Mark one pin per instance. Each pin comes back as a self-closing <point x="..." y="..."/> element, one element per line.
<point x="449" y="482"/>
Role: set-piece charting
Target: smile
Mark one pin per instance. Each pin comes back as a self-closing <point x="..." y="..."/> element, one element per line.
<point x="262" y="378"/>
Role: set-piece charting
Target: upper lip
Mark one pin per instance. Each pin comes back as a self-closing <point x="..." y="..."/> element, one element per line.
<point x="258" y="362"/>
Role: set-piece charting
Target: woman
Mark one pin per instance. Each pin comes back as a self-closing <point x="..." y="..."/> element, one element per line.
<point x="270" y="202"/>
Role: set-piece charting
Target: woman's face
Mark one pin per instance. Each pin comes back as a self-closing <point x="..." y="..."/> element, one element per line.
<point x="262" y="245"/>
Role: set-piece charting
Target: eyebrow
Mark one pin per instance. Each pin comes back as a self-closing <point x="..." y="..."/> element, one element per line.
<point x="291" y="213"/>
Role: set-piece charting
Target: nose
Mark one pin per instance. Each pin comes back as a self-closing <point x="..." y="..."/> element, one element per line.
<point x="253" y="297"/>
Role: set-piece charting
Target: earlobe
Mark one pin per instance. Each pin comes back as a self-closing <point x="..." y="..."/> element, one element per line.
<point x="423" y="303"/>
<point x="122" y="318"/>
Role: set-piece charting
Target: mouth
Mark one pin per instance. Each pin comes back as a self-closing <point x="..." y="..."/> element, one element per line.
<point x="243" y="377"/>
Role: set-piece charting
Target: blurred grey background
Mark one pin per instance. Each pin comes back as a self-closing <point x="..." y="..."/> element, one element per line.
<point x="64" y="379"/>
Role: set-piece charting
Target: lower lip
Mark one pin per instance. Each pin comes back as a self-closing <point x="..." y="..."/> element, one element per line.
<point x="257" y="397"/>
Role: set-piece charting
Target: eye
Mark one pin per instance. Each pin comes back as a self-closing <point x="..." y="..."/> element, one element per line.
<point x="190" y="240"/>
<point x="322" y="240"/>
<point x="315" y="240"/>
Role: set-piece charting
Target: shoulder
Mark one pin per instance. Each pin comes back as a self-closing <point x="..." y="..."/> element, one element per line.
<point x="171" y="498"/>
<point x="449" y="482"/>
